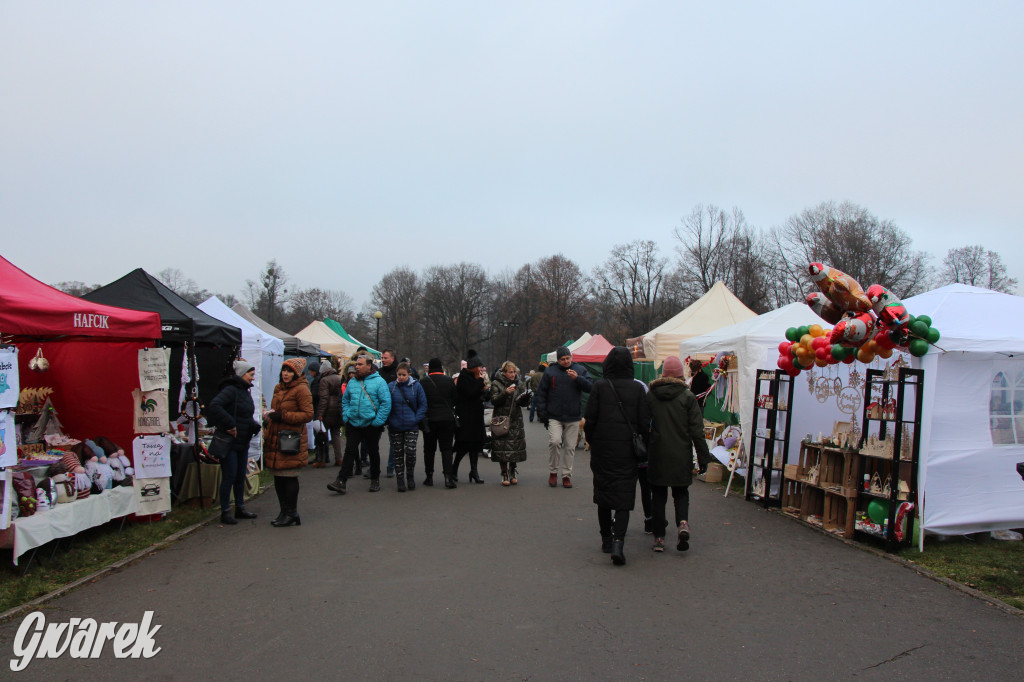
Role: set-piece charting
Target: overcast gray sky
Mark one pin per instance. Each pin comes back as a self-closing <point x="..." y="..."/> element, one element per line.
<point x="347" y="138"/>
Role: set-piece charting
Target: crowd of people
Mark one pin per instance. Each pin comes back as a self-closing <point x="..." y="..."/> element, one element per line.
<point x="638" y="435"/>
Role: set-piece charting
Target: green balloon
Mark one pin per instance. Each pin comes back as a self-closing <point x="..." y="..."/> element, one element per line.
<point x="919" y="328"/>
<point x="933" y="335"/>
<point x="797" y="365"/>
<point x="838" y="352"/>
<point x="878" y="511"/>
<point x="793" y="334"/>
<point x="924" y="318"/>
<point x="805" y="329"/>
<point x="918" y="347"/>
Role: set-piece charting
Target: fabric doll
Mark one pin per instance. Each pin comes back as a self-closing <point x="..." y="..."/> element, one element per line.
<point x="63" y="487"/>
<point x="77" y="474"/>
<point x="118" y="461"/>
<point x="94" y="459"/>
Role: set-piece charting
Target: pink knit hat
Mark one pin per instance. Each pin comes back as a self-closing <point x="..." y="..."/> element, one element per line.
<point x="673" y="367"/>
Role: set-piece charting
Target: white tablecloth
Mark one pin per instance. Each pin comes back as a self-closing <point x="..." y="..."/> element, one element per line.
<point x="68" y="519"/>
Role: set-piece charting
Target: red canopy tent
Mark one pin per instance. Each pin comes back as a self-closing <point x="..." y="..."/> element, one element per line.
<point x="92" y="349"/>
<point x="596" y="349"/>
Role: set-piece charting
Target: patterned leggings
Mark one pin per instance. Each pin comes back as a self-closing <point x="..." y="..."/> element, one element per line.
<point x="403" y="443"/>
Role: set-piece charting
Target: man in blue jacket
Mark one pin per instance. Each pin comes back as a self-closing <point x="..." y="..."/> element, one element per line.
<point x="365" y="407"/>
<point x="558" y="406"/>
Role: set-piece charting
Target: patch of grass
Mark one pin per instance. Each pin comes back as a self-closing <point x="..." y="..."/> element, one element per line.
<point x="990" y="566"/>
<point x="86" y="553"/>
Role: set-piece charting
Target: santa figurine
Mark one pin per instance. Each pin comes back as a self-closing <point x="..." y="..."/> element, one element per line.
<point x="77" y="475"/>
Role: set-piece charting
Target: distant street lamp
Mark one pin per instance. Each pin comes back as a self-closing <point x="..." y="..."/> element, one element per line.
<point x="509" y="324"/>
<point x="377" y="315"/>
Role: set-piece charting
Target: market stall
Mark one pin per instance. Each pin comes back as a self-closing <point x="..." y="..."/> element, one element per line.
<point x="293" y="346"/>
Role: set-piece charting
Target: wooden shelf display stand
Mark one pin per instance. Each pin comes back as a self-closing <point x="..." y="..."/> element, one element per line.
<point x="769" y="439"/>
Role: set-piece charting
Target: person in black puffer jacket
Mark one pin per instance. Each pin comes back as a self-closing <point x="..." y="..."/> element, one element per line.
<point x="232" y="411"/>
<point x="617" y="407"/>
<point x="440" y="392"/>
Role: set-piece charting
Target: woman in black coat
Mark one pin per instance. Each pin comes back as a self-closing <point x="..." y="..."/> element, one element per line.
<point x="232" y="411"/>
<point x="470" y="393"/>
<point x="617" y="407"/>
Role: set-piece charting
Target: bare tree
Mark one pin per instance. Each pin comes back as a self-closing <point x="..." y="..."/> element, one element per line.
<point x="399" y="295"/>
<point x="562" y="306"/>
<point x="978" y="267"/>
<point x="633" y="276"/>
<point x="75" y="288"/>
<point x="456" y="302"/>
<point x="187" y="288"/>
<point x="847" y="237"/>
<point x="719" y="246"/>
<point x="307" y="305"/>
<point x="268" y="296"/>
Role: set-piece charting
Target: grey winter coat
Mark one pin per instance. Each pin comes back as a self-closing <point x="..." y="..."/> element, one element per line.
<point x="511" y="447"/>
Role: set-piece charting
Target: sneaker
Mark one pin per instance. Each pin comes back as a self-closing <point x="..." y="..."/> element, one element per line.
<point x="553" y="480"/>
<point x="374" y="485"/>
<point x="659" y="545"/>
<point x="337" y="486"/>
<point x="684" y="537"/>
<point x="566" y="482"/>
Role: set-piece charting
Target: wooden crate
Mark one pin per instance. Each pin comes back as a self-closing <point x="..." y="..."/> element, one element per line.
<point x="792" y="497"/>
<point x="813" y="504"/>
<point x="839" y="514"/>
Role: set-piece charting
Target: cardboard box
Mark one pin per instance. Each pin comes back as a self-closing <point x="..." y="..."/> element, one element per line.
<point x="715" y="473"/>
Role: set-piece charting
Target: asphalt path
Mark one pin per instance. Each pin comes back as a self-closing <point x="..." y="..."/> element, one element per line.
<point x="491" y="583"/>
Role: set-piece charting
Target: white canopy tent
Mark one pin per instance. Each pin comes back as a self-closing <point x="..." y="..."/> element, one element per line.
<point x="716" y="309"/>
<point x="551" y="357"/>
<point x="973" y="434"/>
<point x="319" y="333"/>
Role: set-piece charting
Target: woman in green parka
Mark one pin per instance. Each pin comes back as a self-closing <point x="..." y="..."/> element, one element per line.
<point x="677" y="428"/>
<point x="506" y="394"/>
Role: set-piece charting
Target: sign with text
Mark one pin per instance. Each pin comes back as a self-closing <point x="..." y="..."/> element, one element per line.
<point x="154" y="496"/>
<point x="151" y="414"/>
<point x="153" y="369"/>
<point x="9" y="381"/>
<point x="151" y="456"/>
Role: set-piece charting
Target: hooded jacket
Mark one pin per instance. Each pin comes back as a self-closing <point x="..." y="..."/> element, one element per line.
<point x="233" y="408"/>
<point x="294" y="403"/>
<point x="367" y="402"/>
<point x="677" y="429"/>
<point x="610" y="429"/>
<point x="406" y="416"/>
<point x="328" y="407"/>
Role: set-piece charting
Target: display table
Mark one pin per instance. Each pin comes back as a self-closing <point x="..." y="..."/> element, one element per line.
<point x="211" y="475"/>
<point x="28" y="532"/>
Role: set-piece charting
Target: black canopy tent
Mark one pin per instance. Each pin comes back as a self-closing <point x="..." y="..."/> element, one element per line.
<point x="212" y="344"/>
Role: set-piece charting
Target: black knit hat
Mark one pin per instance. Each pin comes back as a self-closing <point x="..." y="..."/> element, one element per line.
<point x="473" y="360"/>
<point x="434" y="365"/>
<point x="562" y="352"/>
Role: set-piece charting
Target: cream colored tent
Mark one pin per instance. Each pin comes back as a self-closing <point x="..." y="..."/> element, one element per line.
<point x="716" y="309"/>
<point x="319" y="333"/>
<point x="551" y="357"/>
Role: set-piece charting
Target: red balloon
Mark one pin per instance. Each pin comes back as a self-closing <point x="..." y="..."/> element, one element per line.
<point x="792" y="371"/>
<point x="822" y="353"/>
<point x="818" y="342"/>
<point x="784" y="347"/>
<point x="850" y="359"/>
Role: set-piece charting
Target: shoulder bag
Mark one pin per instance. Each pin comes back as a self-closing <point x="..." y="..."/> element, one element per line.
<point x="639" y="446"/>
<point x="501" y="425"/>
<point x="220" y="444"/>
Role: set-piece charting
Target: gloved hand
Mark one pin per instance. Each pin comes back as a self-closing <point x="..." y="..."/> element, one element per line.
<point x="274" y="416"/>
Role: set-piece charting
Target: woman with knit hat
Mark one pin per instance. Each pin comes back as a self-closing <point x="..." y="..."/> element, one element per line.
<point x="470" y="394"/>
<point x="290" y="409"/>
<point x="232" y="412"/>
<point x="677" y="429"/>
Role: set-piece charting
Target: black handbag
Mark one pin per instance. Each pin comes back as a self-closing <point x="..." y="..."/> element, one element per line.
<point x="639" y="446"/>
<point x="289" y="442"/>
<point x="220" y="445"/>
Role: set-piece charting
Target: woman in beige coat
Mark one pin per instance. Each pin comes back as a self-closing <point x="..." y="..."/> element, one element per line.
<point x="290" y="409"/>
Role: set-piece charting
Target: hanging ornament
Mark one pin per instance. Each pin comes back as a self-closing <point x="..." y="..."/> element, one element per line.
<point x="855" y="380"/>
<point x="823" y="389"/>
<point x="810" y="380"/>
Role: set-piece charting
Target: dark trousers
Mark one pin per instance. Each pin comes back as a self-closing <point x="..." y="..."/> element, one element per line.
<point x="645" y="491"/>
<point x="441" y="436"/>
<point x="463" y="449"/>
<point x="287" y="489"/>
<point x="613" y="527"/>
<point x="369" y="438"/>
<point x="533" y="406"/>
<point x="659" y="498"/>
<point x="232" y="476"/>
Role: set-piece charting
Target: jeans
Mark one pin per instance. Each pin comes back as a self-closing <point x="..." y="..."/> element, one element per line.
<point x="369" y="438"/>
<point x="681" y="501"/>
<point x="232" y="476"/>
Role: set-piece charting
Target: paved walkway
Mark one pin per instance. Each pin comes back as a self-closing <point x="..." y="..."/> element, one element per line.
<point x="486" y="583"/>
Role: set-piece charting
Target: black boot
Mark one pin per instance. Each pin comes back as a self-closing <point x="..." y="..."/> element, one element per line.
<point x="227" y="519"/>
<point x="429" y="480"/>
<point x="473" y="475"/>
<point x="606" y="544"/>
<point x="337" y="485"/>
<point x="410" y="483"/>
<point x="618" y="558"/>
<point x="242" y="513"/>
<point x="449" y="482"/>
<point x="289" y="518"/>
<point x="281" y="518"/>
